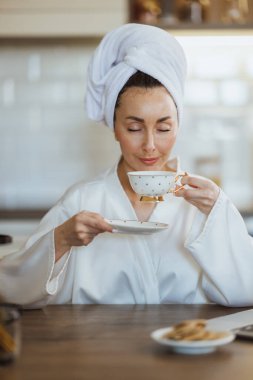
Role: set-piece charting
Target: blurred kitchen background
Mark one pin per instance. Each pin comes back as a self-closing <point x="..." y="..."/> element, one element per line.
<point x="47" y="141"/>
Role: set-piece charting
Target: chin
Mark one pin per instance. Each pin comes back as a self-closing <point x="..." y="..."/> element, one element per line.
<point x="151" y="168"/>
<point x="138" y="167"/>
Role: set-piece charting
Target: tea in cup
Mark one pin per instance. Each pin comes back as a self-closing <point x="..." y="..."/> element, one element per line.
<point x="152" y="185"/>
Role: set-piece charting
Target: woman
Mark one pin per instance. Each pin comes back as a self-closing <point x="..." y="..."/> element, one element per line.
<point x="135" y="84"/>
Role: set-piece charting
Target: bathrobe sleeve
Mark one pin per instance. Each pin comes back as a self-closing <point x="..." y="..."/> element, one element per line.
<point x="30" y="275"/>
<point x="224" y="250"/>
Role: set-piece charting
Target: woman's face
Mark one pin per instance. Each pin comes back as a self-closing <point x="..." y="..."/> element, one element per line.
<point x="146" y="128"/>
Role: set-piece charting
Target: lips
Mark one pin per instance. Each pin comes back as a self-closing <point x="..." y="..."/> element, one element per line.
<point x="149" y="161"/>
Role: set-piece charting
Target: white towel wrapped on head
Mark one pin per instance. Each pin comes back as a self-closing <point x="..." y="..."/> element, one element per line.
<point x="124" y="51"/>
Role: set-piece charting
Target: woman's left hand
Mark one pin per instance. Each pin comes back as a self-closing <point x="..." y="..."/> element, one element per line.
<point x="200" y="192"/>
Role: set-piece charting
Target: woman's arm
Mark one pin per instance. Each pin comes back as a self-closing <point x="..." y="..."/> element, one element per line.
<point x="79" y="230"/>
<point x="224" y="251"/>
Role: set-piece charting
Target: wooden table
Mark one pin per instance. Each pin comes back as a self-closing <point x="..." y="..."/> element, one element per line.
<point x="113" y="342"/>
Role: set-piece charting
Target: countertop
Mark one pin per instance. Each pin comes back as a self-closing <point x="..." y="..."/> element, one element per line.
<point x="19" y="230"/>
<point x="113" y="342"/>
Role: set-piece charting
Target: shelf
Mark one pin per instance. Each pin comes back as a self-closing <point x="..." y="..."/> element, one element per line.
<point x="82" y="18"/>
<point x="210" y="29"/>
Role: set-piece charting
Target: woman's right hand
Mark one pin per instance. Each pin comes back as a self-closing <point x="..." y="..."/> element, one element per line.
<point x="77" y="231"/>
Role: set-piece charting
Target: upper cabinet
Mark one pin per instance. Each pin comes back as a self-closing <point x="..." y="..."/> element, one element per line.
<point x="83" y="18"/>
<point x="61" y="18"/>
<point x="193" y="14"/>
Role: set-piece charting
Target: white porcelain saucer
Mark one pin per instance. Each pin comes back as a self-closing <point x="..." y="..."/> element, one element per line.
<point x="136" y="227"/>
<point x="191" y="347"/>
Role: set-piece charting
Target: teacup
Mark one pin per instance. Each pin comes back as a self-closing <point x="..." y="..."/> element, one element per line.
<point x="152" y="185"/>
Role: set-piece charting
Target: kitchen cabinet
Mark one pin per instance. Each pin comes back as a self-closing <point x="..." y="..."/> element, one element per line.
<point x="60" y="18"/>
<point x="195" y="16"/>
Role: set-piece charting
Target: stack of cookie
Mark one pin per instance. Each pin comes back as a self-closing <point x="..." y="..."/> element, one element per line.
<point x="193" y="330"/>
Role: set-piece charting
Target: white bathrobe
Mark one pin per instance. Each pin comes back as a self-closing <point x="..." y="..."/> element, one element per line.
<point x="198" y="259"/>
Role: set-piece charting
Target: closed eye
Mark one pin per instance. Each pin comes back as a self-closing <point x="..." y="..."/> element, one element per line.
<point x="133" y="130"/>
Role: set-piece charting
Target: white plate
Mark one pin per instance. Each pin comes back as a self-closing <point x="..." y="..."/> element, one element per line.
<point x="136" y="227"/>
<point x="193" y="347"/>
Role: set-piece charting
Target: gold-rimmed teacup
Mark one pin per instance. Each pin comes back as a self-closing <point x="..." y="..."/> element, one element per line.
<point x="152" y="185"/>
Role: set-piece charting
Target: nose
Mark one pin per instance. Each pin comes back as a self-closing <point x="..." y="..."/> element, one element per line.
<point x="149" y="142"/>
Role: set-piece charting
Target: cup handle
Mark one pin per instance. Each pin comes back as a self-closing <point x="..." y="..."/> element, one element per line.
<point x="178" y="183"/>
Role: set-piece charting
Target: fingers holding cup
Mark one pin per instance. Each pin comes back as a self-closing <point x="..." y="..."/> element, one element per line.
<point x="199" y="191"/>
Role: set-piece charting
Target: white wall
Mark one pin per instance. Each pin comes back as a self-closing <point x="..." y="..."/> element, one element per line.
<point x="47" y="143"/>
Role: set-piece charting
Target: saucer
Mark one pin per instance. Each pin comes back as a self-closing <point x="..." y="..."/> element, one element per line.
<point x="191" y="347"/>
<point x="136" y="227"/>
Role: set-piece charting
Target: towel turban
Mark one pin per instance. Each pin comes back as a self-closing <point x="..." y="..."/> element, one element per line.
<point x="124" y="51"/>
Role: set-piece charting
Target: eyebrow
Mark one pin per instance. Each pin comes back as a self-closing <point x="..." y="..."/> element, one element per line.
<point x="140" y="120"/>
